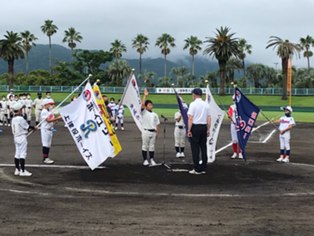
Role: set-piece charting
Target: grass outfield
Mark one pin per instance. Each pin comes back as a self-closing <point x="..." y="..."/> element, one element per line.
<point x="298" y="101"/>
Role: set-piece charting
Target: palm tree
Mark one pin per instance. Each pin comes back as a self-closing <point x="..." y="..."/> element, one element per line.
<point x="117" y="48"/>
<point x="194" y="45"/>
<point x="140" y="42"/>
<point x="306" y="43"/>
<point x="165" y="42"/>
<point x="117" y="71"/>
<point x="233" y="64"/>
<point x="49" y="29"/>
<point x="180" y="73"/>
<point x="28" y="40"/>
<point x="71" y="37"/>
<point x="11" y="48"/>
<point x="285" y="50"/>
<point x="244" y="48"/>
<point x="257" y="73"/>
<point x="222" y="47"/>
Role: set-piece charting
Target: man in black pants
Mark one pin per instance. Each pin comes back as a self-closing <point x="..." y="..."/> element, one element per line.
<point x="198" y="131"/>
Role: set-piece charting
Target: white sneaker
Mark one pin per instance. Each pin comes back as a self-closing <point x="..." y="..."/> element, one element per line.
<point x="234" y="155"/>
<point x="145" y="163"/>
<point x="152" y="162"/>
<point x="286" y="160"/>
<point x="48" y="161"/>
<point x="240" y="155"/>
<point x="122" y="128"/>
<point x="115" y="128"/>
<point x="16" y="172"/>
<point x="194" y="172"/>
<point x="178" y="155"/>
<point x="9" y="124"/>
<point x="280" y="159"/>
<point x="25" y="173"/>
<point x="182" y="154"/>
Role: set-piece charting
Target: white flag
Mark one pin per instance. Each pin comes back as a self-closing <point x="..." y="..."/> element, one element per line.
<point x="217" y="116"/>
<point x="88" y="129"/>
<point x="132" y="99"/>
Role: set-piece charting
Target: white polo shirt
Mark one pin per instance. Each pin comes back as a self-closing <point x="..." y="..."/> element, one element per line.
<point x="199" y="109"/>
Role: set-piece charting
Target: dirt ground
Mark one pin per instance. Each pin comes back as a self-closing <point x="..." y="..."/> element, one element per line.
<point x="257" y="197"/>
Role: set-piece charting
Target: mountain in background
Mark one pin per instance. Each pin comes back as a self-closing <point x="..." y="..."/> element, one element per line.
<point x="38" y="59"/>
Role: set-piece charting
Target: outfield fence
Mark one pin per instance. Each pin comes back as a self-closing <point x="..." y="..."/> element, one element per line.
<point x="119" y="90"/>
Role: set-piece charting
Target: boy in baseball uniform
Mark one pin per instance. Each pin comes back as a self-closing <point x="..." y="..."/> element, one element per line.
<point x="179" y="134"/>
<point x="150" y="130"/>
<point x="38" y="106"/>
<point x="119" y="111"/>
<point x="286" y="123"/>
<point x="233" y="130"/>
<point x="46" y="129"/>
<point x="20" y="128"/>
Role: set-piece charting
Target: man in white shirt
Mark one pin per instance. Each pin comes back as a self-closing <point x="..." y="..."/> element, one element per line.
<point x="198" y="130"/>
<point x="150" y="130"/>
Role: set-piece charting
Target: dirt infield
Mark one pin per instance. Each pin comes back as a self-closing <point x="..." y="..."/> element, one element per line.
<point x="257" y="197"/>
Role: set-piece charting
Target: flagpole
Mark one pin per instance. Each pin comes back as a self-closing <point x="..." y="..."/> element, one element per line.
<point x="63" y="101"/>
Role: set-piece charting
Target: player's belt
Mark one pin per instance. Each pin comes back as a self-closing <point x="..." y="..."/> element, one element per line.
<point x="180" y="126"/>
<point x="150" y="130"/>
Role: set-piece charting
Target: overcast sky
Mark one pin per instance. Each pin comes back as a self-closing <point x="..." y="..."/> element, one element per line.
<point x="102" y="21"/>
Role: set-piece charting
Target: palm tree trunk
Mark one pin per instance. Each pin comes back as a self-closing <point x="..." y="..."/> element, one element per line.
<point x="284" y="65"/>
<point x="222" y="70"/>
<point x="165" y="65"/>
<point x="26" y="63"/>
<point x="50" y="59"/>
<point x="308" y="63"/>
<point x="10" y="72"/>
<point x="140" y="69"/>
<point x="193" y="66"/>
<point x="244" y="73"/>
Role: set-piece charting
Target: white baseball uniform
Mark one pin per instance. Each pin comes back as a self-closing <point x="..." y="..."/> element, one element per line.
<point x="38" y="108"/>
<point x="233" y="130"/>
<point x="28" y="108"/>
<point x="3" y="111"/>
<point x="179" y="130"/>
<point x="150" y="122"/>
<point x="20" y="130"/>
<point x="119" y="111"/>
<point x="284" y="139"/>
<point x="112" y="106"/>
<point x="46" y="128"/>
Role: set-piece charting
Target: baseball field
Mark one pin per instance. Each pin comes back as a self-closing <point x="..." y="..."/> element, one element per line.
<point x="256" y="197"/>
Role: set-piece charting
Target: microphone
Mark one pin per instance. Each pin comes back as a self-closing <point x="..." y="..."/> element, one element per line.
<point x="162" y="116"/>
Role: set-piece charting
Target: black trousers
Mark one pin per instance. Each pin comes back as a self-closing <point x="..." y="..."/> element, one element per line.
<point x="198" y="144"/>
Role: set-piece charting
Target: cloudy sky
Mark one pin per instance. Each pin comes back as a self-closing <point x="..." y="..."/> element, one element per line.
<point x="102" y="21"/>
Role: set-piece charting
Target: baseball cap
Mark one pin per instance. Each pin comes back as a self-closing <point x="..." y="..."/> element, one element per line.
<point x="16" y="106"/>
<point x="197" y="91"/>
<point x="289" y="108"/>
<point x="47" y="101"/>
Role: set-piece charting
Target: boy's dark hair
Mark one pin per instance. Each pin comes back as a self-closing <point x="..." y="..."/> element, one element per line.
<point x="111" y="99"/>
<point x="148" y="102"/>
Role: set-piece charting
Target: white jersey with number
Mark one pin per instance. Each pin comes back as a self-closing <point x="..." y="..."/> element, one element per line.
<point x="150" y="119"/>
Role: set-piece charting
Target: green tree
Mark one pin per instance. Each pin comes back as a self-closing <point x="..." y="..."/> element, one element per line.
<point x="140" y="43"/>
<point x="148" y="77"/>
<point x="181" y="73"/>
<point x="222" y="47"/>
<point x="233" y="64"/>
<point x="71" y="36"/>
<point x="244" y="48"/>
<point x="257" y="73"/>
<point x="49" y="29"/>
<point x="164" y="81"/>
<point x="11" y="49"/>
<point x="306" y="43"/>
<point x="285" y="50"/>
<point x="165" y="42"/>
<point x="28" y="41"/>
<point x="117" y="48"/>
<point x="117" y="71"/>
<point x="194" y="45"/>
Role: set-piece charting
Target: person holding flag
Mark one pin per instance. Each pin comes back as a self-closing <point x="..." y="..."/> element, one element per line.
<point x="233" y="130"/>
<point x="179" y="132"/>
<point x="150" y="122"/>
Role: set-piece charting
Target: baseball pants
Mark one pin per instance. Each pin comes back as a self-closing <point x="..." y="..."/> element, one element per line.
<point x="20" y="147"/>
<point x="148" y="140"/>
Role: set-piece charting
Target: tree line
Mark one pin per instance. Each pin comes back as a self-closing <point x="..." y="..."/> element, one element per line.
<point x="229" y="51"/>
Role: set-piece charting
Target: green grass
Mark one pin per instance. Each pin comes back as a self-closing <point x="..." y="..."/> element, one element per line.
<point x="225" y="101"/>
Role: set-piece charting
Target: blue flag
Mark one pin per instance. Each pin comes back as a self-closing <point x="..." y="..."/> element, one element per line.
<point x="183" y="109"/>
<point x="246" y="115"/>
